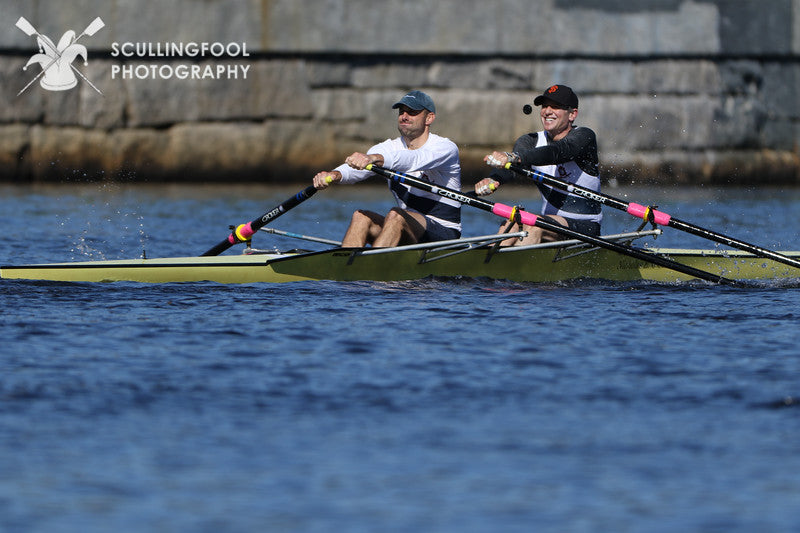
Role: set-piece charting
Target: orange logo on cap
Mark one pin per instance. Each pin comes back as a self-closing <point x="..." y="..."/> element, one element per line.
<point x="552" y="89"/>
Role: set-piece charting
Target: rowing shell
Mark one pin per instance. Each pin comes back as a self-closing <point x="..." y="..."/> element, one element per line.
<point x="474" y="257"/>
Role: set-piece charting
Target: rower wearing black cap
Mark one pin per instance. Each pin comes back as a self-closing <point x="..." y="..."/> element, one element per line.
<point x="561" y="149"/>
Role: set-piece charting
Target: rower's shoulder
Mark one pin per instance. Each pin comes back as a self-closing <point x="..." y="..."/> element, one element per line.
<point x="442" y="142"/>
<point x="582" y="131"/>
<point x="527" y="141"/>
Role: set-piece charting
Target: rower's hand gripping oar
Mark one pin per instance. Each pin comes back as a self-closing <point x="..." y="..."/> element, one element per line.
<point x="514" y="213"/>
<point x="651" y="214"/>
<point x="243" y="232"/>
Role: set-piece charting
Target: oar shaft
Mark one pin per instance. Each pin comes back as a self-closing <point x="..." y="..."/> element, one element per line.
<point x="647" y="213"/>
<point x="244" y="231"/>
<point x="733" y="243"/>
<point x="530" y="219"/>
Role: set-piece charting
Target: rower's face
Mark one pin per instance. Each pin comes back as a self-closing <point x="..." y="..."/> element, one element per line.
<point x="411" y="122"/>
<point x="556" y="118"/>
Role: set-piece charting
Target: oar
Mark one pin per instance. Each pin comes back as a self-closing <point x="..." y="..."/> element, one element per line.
<point x="650" y="214"/>
<point x="243" y="232"/>
<point x="530" y="219"/>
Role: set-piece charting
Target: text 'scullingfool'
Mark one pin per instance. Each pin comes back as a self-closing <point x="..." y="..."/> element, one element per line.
<point x="178" y="70"/>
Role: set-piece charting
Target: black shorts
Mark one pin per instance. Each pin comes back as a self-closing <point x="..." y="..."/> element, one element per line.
<point x="434" y="231"/>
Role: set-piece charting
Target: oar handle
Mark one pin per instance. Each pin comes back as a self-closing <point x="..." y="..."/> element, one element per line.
<point x="243" y="232"/>
<point x="648" y="213"/>
<point x="639" y="211"/>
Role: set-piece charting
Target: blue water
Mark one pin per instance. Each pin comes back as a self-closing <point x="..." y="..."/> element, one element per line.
<point x="435" y="405"/>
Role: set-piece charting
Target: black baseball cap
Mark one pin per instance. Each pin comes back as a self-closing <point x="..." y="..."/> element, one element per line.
<point x="560" y="94"/>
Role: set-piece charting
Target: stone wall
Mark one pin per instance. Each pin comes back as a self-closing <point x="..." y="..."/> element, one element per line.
<point x="677" y="90"/>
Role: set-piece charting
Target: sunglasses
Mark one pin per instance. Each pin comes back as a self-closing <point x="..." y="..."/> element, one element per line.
<point x="412" y="112"/>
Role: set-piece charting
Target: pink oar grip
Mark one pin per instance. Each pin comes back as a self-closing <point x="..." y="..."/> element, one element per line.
<point x="502" y="210"/>
<point x="641" y="211"/>
<point x="528" y="218"/>
<point x="506" y="211"/>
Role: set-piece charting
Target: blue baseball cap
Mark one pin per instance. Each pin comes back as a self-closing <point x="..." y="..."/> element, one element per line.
<point x="416" y="100"/>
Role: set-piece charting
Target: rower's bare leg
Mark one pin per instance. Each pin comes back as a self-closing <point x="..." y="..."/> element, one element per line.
<point x="514" y="240"/>
<point x="400" y="227"/>
<point x="365" y="226"/>
<point x="535" y="235"/>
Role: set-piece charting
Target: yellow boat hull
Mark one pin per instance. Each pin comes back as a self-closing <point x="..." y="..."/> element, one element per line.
<point x="531" y="265"/>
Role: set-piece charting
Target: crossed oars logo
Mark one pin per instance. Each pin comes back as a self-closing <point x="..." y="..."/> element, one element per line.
<point x="56" y="61"/>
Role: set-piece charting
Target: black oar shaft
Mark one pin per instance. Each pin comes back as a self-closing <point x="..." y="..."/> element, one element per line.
<point x="533" y="220"/>
<point x="733" y="243"/>
<point x="650" y="214"/>
<point x="244" y="231"/>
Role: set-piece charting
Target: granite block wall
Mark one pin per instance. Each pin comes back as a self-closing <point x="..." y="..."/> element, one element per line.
<point x="273" y="90"/>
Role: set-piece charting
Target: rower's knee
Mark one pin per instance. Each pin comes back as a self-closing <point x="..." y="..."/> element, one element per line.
<point x="395" y="216"/>
<point x="360" y="215"/>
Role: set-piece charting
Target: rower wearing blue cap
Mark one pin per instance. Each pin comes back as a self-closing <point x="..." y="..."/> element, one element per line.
<point x="420" y="216"/>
